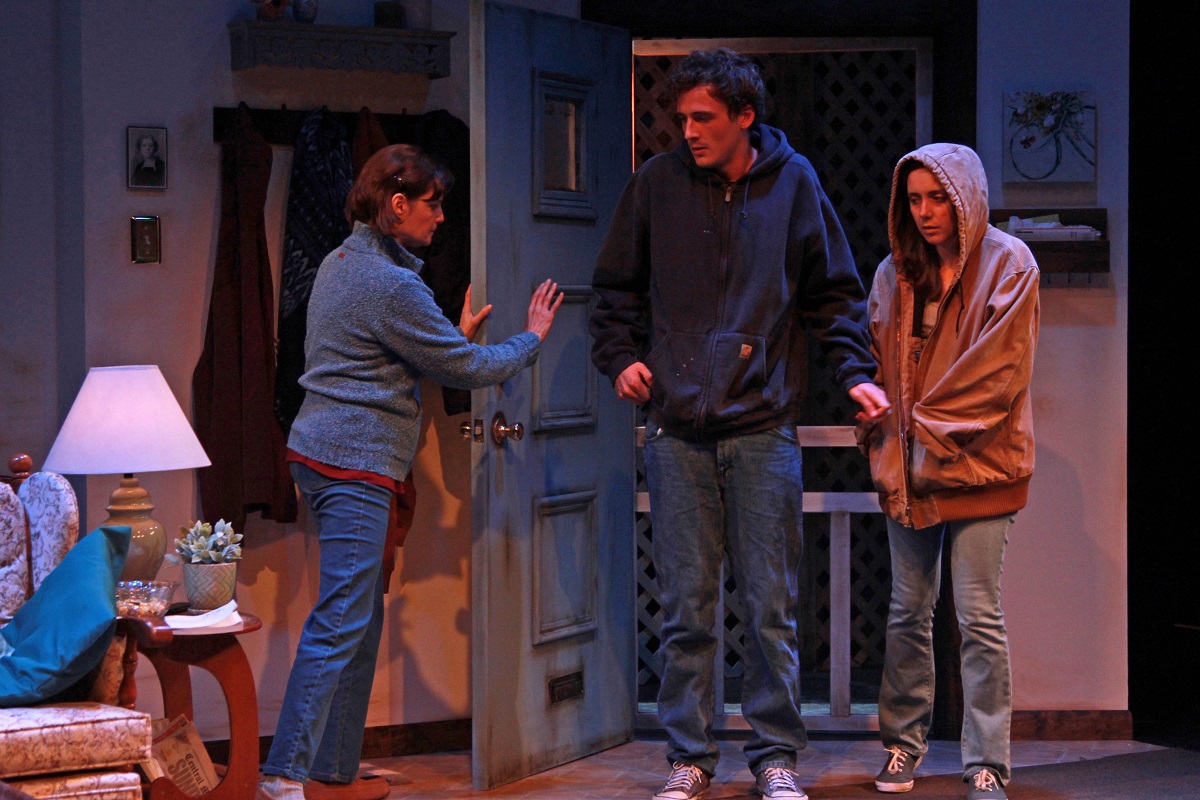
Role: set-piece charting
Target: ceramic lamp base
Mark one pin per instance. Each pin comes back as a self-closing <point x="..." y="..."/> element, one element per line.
<point x="130" y="505"/>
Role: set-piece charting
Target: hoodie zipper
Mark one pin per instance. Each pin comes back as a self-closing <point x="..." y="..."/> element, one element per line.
<point x="901" y="417"/>
<point x="725" y="223"/>
<point x="919" y="371"/>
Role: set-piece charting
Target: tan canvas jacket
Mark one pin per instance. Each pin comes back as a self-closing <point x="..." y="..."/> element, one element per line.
<point x="959" y="441"/>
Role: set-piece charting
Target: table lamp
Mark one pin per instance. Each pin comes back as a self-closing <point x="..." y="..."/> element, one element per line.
<point x="126" y="420"/>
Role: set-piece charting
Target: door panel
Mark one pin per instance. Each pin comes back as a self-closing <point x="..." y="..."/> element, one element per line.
<point x="552" y="585"/>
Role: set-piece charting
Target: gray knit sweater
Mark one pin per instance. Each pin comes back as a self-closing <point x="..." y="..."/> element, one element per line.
<point x="373" y="331"/>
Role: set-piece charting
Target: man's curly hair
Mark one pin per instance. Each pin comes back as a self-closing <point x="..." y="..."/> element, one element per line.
<point x="731" y="77"/>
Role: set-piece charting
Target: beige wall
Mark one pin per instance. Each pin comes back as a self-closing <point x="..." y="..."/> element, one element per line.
<point x="74" y="74"/>
<point x="1065" y="575"/>
<point x="143" y="63"/>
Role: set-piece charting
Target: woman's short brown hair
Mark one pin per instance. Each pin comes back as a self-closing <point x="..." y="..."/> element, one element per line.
<point x="396" y="169"/>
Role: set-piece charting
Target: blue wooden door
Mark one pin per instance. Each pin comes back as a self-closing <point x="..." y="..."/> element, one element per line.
<point x="553" y="650"/>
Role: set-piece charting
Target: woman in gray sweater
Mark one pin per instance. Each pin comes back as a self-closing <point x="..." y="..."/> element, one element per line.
<point x="374" y="331"/>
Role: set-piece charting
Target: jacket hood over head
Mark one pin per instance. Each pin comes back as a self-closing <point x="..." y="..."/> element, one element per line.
<point x="959" y="441"/>
<point x="960" y="172"/>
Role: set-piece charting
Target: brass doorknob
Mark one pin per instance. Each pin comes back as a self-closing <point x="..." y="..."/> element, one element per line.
<point x="501" y="430"/>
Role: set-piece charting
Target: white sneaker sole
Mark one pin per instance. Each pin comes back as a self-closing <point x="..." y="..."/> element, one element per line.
<point x="893" y="788"/>
<point x="698" y="796"/>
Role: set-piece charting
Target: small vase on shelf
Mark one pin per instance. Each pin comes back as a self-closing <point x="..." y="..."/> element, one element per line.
<point x="418" y="14"/>
<point x="304" y="10"/>
<point x="389" y="14"/>
<point x="269" y="9"/>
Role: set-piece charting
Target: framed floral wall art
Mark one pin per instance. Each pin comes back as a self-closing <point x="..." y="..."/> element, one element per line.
<point x="1049" y="137"/>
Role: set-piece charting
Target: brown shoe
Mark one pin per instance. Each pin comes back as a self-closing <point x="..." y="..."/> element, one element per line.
<point x="364" y="787"/>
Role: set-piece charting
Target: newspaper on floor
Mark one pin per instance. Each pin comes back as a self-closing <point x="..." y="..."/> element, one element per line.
<point x="178" y="753"/>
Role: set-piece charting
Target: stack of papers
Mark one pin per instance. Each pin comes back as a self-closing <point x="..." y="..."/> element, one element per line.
<point x="1047" y="228"/>
<point x="224" y="617"/>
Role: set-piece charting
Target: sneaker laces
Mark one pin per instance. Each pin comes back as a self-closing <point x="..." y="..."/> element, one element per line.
<point x="895" y="764"/>
<point x="780" y="779"/>
<point x="985" y="781"/>
<point x="684" y="777"/>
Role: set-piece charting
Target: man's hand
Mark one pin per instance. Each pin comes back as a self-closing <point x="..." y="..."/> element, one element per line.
<point x="634" y="383"/>
<point x="873" y="401"/>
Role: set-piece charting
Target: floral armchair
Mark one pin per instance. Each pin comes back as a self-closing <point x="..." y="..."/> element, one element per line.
<point x="81" y="741"/>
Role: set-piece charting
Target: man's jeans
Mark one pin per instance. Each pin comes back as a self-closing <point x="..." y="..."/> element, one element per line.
<point x="906" y="695"/>
<point x="742" y="495"/>
<point x="320" y="730"/>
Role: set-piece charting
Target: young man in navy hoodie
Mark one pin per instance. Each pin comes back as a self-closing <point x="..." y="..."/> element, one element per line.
<point x="723" y="256"/>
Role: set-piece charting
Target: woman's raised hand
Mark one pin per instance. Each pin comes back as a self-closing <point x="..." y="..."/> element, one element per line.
<point x="470" y="321"/>
<point x="542" y="308"/>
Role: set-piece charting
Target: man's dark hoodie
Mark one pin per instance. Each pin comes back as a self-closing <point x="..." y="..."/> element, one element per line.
<point x="715" y="286"/>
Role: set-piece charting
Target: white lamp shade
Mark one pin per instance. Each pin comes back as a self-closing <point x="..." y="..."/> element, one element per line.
<point x="125" y="420"/>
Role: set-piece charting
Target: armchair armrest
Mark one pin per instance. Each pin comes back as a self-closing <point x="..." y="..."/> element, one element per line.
<point x="147" y="631"/>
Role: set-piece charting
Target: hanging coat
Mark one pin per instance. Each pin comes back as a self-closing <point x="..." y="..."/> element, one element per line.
<point x="316" y="223"/>
<point x="233" y="383"/>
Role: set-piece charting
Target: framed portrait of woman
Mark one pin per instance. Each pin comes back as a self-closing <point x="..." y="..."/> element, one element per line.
<point x="146" y="157"/>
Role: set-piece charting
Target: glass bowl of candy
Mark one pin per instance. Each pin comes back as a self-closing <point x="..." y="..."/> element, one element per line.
<point x="144" y="598"/>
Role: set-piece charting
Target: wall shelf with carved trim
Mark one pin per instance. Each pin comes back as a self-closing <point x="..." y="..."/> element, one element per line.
<point x="1067" y="257"/>
<point x="256" y="43"/>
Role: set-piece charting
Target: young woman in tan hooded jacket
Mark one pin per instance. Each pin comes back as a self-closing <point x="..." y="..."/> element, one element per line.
<point x="954" y="325"/>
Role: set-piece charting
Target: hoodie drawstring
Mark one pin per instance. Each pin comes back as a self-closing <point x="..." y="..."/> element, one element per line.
<point x="962" y="306"/>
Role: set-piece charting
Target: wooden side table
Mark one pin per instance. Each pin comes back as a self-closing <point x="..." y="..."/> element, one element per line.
<point x="218" y="652"/>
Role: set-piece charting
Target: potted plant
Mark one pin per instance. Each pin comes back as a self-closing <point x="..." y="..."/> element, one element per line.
<point x="209" y="554"/>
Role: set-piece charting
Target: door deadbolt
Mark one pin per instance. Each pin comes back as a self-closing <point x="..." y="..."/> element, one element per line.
<point x="471" y="432"/>
<point x="501" y="430"/>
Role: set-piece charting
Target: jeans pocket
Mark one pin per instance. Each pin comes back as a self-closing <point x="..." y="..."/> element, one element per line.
<point x="786" y="432"/>
<point x="653" y="432"/>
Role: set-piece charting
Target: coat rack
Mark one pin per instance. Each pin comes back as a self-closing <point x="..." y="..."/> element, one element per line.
<point x="281" y="125"/>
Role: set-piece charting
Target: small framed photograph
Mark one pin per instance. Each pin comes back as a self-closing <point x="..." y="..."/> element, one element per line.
<point x="145" y="240"/>
<point x="146" y="157"/>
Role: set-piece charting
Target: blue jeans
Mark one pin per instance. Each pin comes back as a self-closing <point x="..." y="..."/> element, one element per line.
<point x="741" y="495"/>
<point x="976" y="548"/>
<point x="324" y="714"/>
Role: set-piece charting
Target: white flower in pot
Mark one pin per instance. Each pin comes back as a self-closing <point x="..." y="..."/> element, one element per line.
<point x="209" y="554"/>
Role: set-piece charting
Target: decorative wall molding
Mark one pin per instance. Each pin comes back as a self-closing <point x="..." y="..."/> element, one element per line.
<point x="254" y="43"/>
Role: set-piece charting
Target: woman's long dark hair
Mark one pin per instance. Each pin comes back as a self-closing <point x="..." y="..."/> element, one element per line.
<point x="396" y="169"/>
<point x="916" y="259"/>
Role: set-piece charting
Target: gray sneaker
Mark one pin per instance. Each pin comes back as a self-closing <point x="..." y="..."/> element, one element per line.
<point x="687" y="782"/>
<point x="777" y="783"/>
<point x="985" y="785"/>
<point x="897" y="773"/>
